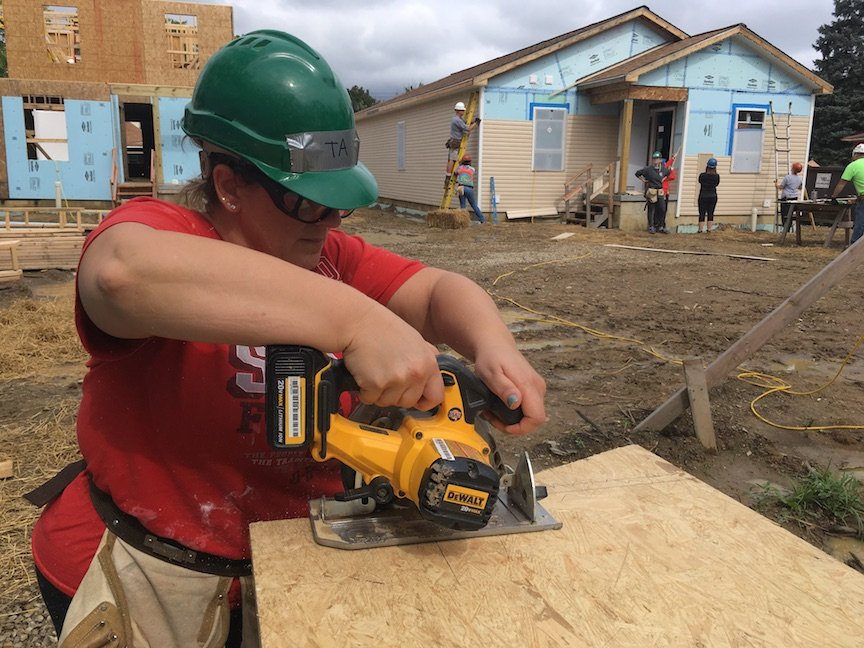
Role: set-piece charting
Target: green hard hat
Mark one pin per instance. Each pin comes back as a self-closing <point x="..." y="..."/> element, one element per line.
<point x="657" y="154"/>
<point x="271" y="99"/>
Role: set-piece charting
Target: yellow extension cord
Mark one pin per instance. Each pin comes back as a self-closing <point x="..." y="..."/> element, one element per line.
<point x="772" y="384"/>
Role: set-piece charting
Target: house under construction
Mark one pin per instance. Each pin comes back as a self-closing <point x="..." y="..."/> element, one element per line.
<point x="92" y="107"/>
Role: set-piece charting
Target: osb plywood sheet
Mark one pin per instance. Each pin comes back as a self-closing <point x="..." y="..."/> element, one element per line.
<point x="121" y="41"/>
<point x="647" y="556"/>
<point x="66" y="89"/>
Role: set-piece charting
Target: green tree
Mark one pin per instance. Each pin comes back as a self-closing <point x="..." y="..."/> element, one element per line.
<point x="360" y="98"/>
<point x="841" y="44"/>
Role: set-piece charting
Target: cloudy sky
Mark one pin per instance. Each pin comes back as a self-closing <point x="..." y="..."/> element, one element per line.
<point x="388" y="45"/>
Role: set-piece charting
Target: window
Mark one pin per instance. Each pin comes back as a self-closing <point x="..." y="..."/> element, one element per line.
<point x="400" y="146"/>
<point x="61" y="34"/>
<point x="45" y="127"/>
<point x="549" y="138"/>
<point x="182" y="41"/>
<point x="747" y="138"/>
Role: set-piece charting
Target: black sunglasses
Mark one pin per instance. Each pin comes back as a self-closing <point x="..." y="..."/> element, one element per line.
<point x="285" y="200"/>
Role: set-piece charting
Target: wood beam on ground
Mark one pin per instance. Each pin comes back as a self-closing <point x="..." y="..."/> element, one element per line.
<point x="752" y="341"/>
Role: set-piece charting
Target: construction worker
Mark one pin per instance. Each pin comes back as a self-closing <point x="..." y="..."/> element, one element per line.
<point x="149" y="545"/>
<point x="706" y="200"/>
<point x="655" y="202"/>
<point x="465" y="174"/>
<point x="854" y="173"/>
<point x="458" y="128"/>
<point x="790" y="188"/>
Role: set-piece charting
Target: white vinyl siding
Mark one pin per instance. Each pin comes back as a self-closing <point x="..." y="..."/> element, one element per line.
<point x="418" y="177"/>
<point x="507" y="155"/>
<point x="739" y="193"/>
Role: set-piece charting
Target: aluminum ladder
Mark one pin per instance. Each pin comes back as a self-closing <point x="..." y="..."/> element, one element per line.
<point x="782" y="146"/>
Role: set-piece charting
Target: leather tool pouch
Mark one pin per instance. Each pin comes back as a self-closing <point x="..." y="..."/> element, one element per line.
<point x="128" y="598"/>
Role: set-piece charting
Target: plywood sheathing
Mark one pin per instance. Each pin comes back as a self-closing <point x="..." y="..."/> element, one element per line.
<point x="122" y="41"/>
<point x="110" y="47"/>
<point x="647" y="556"/>
<point x="84" y="91"/>
<point x="215" y="29"/>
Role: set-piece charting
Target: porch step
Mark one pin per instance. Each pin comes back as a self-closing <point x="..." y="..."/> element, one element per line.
<point x="599" y="216"/>
<point x="128" y="190"/>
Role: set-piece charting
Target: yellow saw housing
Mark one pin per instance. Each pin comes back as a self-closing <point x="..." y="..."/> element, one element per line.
<point x="437" y="460"/>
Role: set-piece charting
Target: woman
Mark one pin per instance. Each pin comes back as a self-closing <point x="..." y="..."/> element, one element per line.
<point x="790" y="188"/>
<point x="465" y="174"/>
<point x="708" y="181"/>
<point x="175" y="306"/>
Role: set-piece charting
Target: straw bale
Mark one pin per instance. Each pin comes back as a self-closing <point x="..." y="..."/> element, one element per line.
<point x="42" y="444"/>
<point x="448" y="218"/>
<point x="35" y="336"/>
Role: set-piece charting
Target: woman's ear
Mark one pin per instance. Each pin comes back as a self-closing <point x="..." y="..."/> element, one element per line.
<point x="226" y="187"/>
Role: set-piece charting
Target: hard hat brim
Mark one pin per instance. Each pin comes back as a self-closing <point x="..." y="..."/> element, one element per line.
<point x="348" y="188"/>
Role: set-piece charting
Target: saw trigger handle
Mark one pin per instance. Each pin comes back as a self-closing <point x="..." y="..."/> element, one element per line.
<point x="476" y="396"/>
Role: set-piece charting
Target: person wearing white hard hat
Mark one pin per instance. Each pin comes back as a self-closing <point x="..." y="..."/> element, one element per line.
<point x="458" y="128"/>
<point x="854" y="173"/>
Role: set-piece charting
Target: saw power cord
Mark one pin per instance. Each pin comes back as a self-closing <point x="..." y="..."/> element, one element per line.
<point x="772" y="384"/>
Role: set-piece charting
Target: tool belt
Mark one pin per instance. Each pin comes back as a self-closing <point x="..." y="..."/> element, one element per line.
<point x="133" y="533"/>
<point x="452" y="143"/>
<point x="651" y="194"/>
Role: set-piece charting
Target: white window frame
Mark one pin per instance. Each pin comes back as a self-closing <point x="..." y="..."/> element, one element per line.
<point x="748" y="139"/>
<point x="543" y="155"/>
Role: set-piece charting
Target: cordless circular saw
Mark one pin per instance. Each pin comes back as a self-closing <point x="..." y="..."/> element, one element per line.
<point x="423" y="476"/>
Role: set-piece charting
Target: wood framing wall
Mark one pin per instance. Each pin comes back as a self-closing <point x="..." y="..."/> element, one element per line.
<point x="214" y="26"/>
<point x="121" y="41"/>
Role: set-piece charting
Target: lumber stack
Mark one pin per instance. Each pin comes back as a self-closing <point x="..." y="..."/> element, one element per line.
<point x="44" y="238"/>
<point x="42" y="249"/>
<point x="13" y="271"/>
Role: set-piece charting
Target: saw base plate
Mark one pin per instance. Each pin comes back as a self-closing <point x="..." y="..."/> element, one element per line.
<point x="353" y="525"/>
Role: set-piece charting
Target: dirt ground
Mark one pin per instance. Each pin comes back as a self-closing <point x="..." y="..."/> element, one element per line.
<point x="607" y="327"/>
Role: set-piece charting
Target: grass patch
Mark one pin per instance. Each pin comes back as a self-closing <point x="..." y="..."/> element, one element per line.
<point x="827" y="496"/>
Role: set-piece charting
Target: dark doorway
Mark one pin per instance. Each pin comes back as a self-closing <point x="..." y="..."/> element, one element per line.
<point x="662" y="131"/>
<point x="138" y="140"/>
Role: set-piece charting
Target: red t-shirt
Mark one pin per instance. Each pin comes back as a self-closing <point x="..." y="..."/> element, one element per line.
<point x="174" y="430"/>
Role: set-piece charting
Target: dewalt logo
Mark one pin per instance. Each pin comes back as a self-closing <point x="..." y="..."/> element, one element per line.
<point x="466" y="497"/>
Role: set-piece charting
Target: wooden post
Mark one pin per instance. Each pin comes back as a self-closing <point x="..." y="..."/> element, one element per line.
<point x="697" y="392"/>
<point x="626" y="130"/>
<point x="753" y="340"/>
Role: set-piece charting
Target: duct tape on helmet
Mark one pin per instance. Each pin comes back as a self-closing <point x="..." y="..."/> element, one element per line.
<point x="323" y="150"/>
